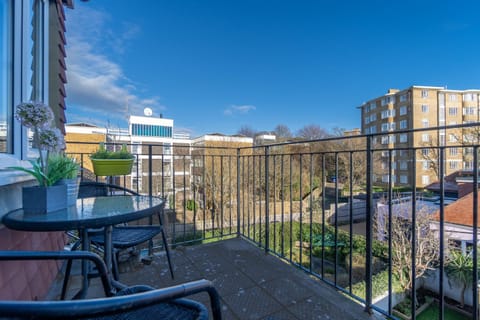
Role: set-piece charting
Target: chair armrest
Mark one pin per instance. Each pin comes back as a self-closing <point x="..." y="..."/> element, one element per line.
<point x="63" y="255"/>
<point x="108" y="306"/>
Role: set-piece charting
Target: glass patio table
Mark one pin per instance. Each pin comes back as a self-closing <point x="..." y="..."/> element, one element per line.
<point x="88" y="213"/>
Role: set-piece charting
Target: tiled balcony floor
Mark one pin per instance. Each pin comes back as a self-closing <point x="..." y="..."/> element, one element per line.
<point x="252" y="285"/>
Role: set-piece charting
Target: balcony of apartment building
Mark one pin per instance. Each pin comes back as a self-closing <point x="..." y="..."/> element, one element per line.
<point x="279" y="238"/>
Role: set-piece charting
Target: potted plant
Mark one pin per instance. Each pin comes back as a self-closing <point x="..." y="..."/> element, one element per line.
<point x="46" y="196"/>
<point x="65" y="171"/>
<point x="112" y="163"/>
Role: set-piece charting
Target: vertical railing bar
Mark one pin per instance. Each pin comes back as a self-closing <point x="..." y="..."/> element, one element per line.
<point x="390" y="217"/>
<point x="301" y="209"/>
<point x="274" y="203"/>
<point x="350" y="199"/>
<point x="369" y="226"/>
<point x="324" y="183"/>
<point x="254" y="200"/>
<point x="184" y="199"/>
<point x="414" y="238"/>
<point x="150" y="182"/>
<point x="310" y="254"/>
<point x="282" y="186"/>
<point x="267" y="196"/>
<point x="163" y="174"/>
<point x="220" y="223"/>
<point x="174" y="199"/>
<point x="291" y="210"/>
<point x="230" y="200"/>
<point x="248" y="196"/>
<point x="261" y="190"/>
<point x="475" y="233"/>
<point x="214" y="186"/>
<point x="81" y="166"/>
<point x="335" y="267"/>
<point x="442" y="232"/>
<point x="204" y="194"/>
<point x="239" y="175"/>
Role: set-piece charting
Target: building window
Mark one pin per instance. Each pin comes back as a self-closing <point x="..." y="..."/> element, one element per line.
<point x="452" y="137"/>
<point x="388" y="113"/>
<point x="425" y="123"/>
<point x="469" y="111"/>
<point x="373" y="117"/>
<point x="468" y="97"/>
<point x="403" y="138"/>
<point x="453" y="164"/>
<point x="453" y="97"/>
<point x="424" y="93"/>
<point x="424" y="108"/>
<point x="468" y="165"/>
<point x="403" y="165"/>
<point x="425" y="180"/>
<point x="452" y="111"/>
<point x="373" y="129"/>
<point x="403" y="179"/>
<point x="373" y="105"/>
<point x="403" y="98"/>
<point x="425" y="137"/>
<point x="426" y="164"/>
<point x="453" y="151"/>
<point x="425" y="152"/>
<point x="403" y="110"/>
<point x="403" y="124"/>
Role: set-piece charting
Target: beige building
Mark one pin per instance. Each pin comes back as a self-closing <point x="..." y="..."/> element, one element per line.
<point x="420" y="107"/>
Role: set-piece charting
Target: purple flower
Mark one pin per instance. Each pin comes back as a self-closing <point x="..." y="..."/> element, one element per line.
<point x="34" y="114"/>
<point x="50" y="139"/>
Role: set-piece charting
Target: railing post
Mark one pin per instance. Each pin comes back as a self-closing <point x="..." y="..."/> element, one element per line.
<point x="369" y="224"/>
<point x="238" y="192"/>
<point x="150" y="183"/>
<point x="267" y="196"/>
<point x="475" y="234"/>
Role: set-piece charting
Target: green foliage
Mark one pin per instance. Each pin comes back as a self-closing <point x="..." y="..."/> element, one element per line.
<point x="59" y="167"/>
<point x="103" y="153"/>
<point x="62" y="167"/>
<point x="379" y="285"/>
<point x="191" y="205"/>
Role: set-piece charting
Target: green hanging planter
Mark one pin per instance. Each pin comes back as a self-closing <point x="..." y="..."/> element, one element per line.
<point x="112" y="167"/>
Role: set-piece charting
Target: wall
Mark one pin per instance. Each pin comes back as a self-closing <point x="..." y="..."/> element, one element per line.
<point x="25" y="280"/>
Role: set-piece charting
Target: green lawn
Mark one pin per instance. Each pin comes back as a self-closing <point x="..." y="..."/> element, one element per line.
<point x="432" y="312"/>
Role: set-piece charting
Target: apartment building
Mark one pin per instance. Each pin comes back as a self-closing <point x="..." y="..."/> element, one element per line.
<point x="420" y="107"/>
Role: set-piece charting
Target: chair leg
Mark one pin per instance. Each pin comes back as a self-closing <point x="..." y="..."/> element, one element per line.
<point x="167" y="250"/>
<point x="68" y="269"/>
<point x="115" y="271"/>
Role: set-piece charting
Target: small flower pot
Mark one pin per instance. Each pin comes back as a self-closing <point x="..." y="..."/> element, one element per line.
<point x="42" y="199"/>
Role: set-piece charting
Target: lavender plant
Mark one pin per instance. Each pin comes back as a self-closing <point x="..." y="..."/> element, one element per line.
<point x="38" y="116"/>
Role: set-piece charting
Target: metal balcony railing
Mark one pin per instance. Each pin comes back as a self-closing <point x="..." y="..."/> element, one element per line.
<point x="347" y="210"/>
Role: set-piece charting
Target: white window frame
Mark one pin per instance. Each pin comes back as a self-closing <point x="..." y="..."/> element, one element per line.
<point x="424" y="93"/>
<point x="425" y="179"/>
<point x="21" y="75"/>
<point x="403" y="110"/>
<point x="424" y="108"/>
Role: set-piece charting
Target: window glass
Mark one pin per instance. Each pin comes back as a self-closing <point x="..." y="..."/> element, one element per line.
<point x="5" y="77"/>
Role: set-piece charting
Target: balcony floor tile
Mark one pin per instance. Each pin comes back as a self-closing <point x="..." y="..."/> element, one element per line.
<point x="252" y="285"/>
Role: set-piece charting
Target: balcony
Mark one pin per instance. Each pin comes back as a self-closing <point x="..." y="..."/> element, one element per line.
<point x="298" y="221"/>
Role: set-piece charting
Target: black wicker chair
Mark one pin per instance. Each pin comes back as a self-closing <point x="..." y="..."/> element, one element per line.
<point x="138" y="302"/>
<point x="123" y="237"/>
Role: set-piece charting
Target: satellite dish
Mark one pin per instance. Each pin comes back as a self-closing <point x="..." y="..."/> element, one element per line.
<point x="148" y="112"/>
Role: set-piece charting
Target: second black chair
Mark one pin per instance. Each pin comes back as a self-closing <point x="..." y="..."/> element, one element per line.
<point x="123" y="237"/>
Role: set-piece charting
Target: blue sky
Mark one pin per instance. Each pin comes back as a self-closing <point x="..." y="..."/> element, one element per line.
<point x="215" y="66"/>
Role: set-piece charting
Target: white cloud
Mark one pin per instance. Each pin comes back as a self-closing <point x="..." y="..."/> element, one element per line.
<point x="97" y="85"/>
<point x="242" y="109"/>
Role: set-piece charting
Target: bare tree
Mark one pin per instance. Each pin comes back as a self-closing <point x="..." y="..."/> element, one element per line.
<point x="311" y="132"/>
<point x="282" y="132"/>
<point x="404" y="237"/>
<point x="247" y="131"/>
